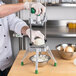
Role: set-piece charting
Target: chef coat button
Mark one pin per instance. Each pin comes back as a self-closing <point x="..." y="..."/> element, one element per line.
<point x="7" y="58"/>
<point x="5" y="46"/>
<point x="21" y="33"/>
<point x="0" y="25"/>
<point x="4" y="35"/>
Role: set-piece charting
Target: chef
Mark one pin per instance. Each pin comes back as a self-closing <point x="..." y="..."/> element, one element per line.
<point x="9" y="21"/>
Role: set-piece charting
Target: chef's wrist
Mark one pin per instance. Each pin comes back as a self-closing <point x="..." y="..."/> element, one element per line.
<point x="27" y="5"/>
<point x="23" y="30"/>
<point x="28" y="32"/>
<point x="21" y="6"/>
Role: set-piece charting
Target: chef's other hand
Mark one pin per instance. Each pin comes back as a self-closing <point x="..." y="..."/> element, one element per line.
<point x="40" y="9"/>
<point x="34" y="34"/>
<point x="23" y="30"/>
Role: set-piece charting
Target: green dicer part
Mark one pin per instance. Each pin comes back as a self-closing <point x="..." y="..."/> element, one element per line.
<point x="33" y="11"/>
<point x="22" y="63"/>
<point x="55" y="64"/>
<point x="36" y="71"/>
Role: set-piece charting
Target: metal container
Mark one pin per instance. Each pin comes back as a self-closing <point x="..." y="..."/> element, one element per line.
<point x="66" y="55"/>
<point x="41" y="63"/>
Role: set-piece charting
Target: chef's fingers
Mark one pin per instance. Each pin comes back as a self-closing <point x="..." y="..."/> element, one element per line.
<point x="43" y="10"/>
<point x="40" y="34"/>
<point x="38" y="11"/>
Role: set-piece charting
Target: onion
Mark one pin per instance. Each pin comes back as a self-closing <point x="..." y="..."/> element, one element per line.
<point x="69" y="49"/>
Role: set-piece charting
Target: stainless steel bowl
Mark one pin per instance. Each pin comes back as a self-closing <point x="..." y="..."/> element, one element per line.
<point x="66" y="55"/>
<point x="40" y="63"/>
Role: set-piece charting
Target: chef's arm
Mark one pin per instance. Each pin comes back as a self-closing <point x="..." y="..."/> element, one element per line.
<point x="17" y="25"/>
<point x="7" y="9"/>
<point x="20" y="27"/>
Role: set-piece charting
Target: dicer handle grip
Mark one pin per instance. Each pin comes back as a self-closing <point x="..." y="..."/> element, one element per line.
<point x="33" y="11"/>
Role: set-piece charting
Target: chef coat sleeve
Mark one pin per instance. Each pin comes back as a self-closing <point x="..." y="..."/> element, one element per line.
<point x="1" y="2"/>
<point x="15" y="24"/>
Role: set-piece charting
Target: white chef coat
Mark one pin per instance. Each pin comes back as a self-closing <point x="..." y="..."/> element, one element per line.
<point x="7" y="23"/>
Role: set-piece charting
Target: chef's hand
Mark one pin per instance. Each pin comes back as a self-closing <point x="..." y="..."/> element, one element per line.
<point x="23" y="30"/>
<point x="34" y="34"/>
<point x="40" y="9"/>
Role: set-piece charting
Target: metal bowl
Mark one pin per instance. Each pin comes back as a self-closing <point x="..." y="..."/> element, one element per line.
<point x="66" y="55"/>
<point x="40" y="63"/>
